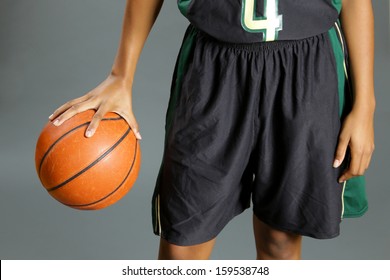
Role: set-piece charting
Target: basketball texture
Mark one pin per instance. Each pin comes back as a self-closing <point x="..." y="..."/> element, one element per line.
<point x="88" y="173"/>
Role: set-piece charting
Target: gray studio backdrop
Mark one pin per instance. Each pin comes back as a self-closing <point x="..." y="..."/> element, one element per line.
<point x="52" y="51"/>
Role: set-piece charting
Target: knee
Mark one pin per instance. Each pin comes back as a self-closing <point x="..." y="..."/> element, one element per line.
<point x="281" y="246"/>
<point x="170" y="251"/>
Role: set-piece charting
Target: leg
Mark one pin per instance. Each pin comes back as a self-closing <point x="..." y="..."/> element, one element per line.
<point x="170" y="251"/>
<point x="199" y="188"/>
<point x="275" y="244"/>
<point x="295" y="185"/>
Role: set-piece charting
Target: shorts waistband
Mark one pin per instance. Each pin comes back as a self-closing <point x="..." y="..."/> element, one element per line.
<point x="256" y="46"/>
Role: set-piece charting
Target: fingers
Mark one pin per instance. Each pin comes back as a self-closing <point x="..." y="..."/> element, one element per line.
<point x="130" y="119"/>
<point x="353" y="169"/>
<point x="66" y="106"/>
<point x="340" y="151"/>
<point x="71" y="111"/>
<point x="368" y="161"/>
<point x="81" y="104"/>
<point x="109" y="96"/>
<point x="97" y="117"/>
<point x="360" y="160"/>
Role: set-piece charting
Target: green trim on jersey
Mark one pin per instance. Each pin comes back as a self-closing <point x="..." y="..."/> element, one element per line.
<point x="339" y="57"/>
<point x="354" y="195"/>
<point x="183" y="6"/>
<point x="337" y="4"/>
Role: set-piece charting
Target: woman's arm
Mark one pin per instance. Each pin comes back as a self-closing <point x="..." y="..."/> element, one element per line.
<point x="114" y="94"/>
<point x="357" y="132"/>
<point x="139" y="18"/>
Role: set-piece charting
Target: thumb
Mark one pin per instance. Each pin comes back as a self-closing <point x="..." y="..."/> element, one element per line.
<point x="340" y="151"/>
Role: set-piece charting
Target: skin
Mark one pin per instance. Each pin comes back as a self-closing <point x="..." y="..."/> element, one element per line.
<point x="271" y="244"/>
<point x="114" y="94"/>
<point x="357" y="131"/>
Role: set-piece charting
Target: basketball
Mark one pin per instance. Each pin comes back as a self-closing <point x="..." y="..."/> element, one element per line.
<point x="88" y="173"/>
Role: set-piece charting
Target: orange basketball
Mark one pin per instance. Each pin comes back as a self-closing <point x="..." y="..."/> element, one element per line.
<point x="88" y="173"/>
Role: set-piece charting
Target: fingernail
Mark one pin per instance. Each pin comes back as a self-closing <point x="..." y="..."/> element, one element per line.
<point x="336" y="163"/>
<point x="341" y="180"/>
<point x="56" y="122"/>
<point x="50" y="116"/>
<point x="89" y="133"/>
<point x="139" y="135"/>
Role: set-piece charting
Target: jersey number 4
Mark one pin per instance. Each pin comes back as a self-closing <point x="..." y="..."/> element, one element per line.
<point x="270" y="24"/>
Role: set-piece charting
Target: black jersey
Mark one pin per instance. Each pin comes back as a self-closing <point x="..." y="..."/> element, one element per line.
<point x="247" y="21"/>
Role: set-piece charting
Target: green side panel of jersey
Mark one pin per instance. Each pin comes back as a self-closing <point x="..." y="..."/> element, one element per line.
<point x="337" y="4"/>
<point x="180" y="68"/>
<point x="339" y="56"/>
<point x="183" y="6"/>
<point x="354" y="196"/>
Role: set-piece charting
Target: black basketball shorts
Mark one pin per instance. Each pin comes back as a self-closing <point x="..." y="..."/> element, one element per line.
<point x="250" y="122"/>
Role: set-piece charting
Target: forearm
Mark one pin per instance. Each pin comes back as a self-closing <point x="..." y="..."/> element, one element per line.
<point x="358" y="25"/>
<point x="138" y="20"/>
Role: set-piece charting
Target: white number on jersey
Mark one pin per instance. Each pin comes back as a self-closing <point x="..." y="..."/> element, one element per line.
<point x="270" y="24"/>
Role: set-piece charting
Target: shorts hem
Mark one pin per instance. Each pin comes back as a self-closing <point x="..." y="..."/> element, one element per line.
<point x="318" y="235"/>
<point x="204" y="239"/>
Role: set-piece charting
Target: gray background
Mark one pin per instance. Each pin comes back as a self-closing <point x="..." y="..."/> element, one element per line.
<point x="52" y="51"/>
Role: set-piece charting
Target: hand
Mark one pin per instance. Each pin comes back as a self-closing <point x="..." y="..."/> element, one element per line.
<point x="357" y="132"/>
<point x="112" y="95"/>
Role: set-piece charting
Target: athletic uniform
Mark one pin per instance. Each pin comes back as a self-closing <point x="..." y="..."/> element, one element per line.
<point x="258" y="95"/>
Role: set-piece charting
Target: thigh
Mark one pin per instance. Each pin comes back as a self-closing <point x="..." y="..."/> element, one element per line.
<point x="272" y="243"/>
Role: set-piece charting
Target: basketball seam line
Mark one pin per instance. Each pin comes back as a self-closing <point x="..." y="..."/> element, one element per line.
<point x="115" y="190"/>
<point x="65" y="134"/>
<point x="92" y="164"/>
